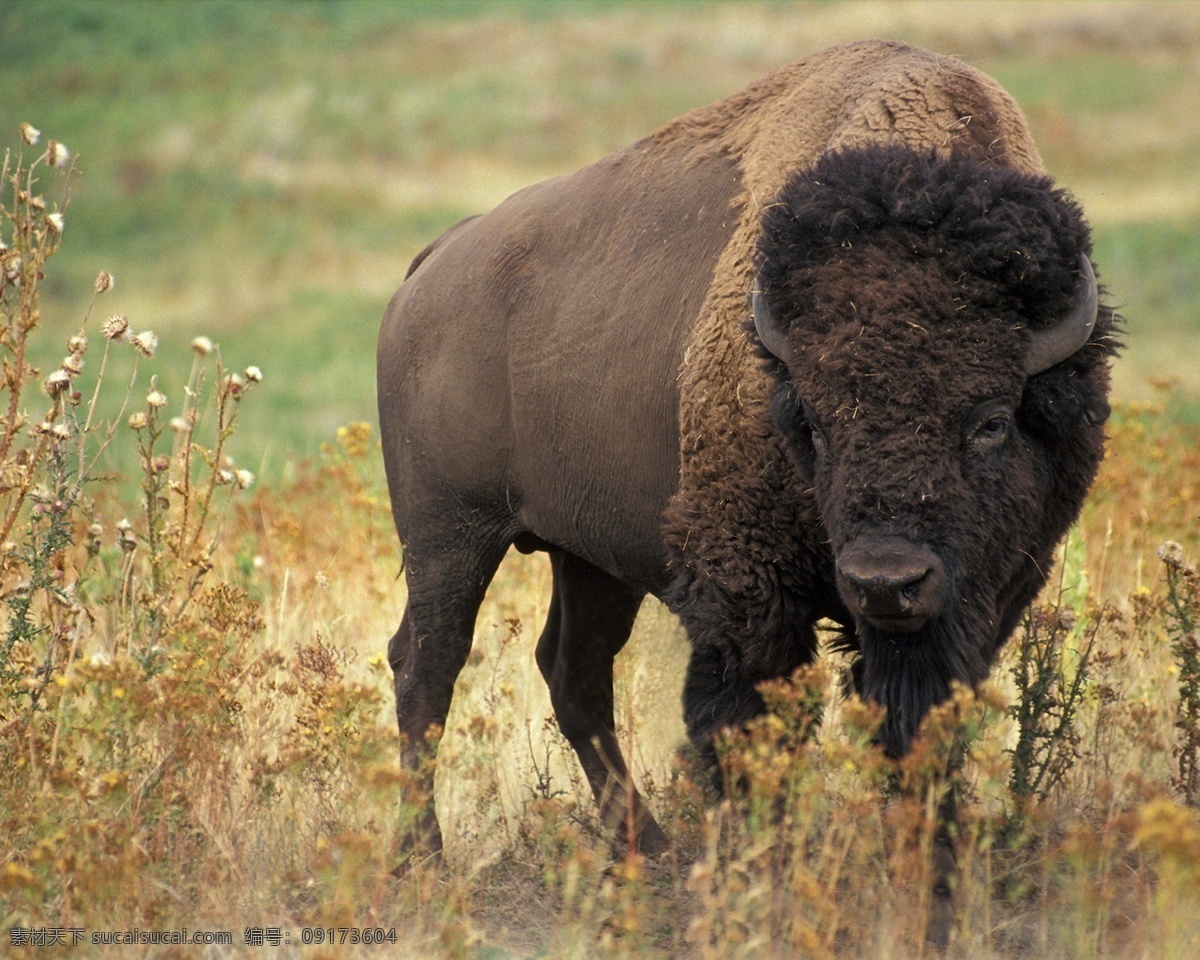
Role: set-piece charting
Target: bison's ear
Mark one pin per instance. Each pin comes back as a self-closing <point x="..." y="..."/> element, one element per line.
<point x="1065" y="401"/>
<point x="787" y="411"/>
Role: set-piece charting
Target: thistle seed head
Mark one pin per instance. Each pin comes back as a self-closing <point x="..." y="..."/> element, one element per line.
<point x="116" y="327"/>
<point x="57" y="153"/>
<point x="58" y="382"/>
<point x="145" y="343"/>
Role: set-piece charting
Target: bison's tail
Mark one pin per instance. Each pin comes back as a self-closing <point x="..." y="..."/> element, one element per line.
<point x="420" y="257"/>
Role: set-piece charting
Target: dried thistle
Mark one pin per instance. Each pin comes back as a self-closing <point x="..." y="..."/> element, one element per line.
<point x="116" y="327"/>
<point x="57" y="153"/>
<point x="58" y="382"/>
<point x="145" y="343"/>
<point x="72" y="365"/>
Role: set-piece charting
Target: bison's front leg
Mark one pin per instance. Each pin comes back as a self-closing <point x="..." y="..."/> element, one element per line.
<point x="929" y="761"/>
<point x="721" y="694"/>
<point x="718" y="696"/>
<point x="941" y="782"/>
<point x="912" y="677"/>
<point x="941" y="921"/>
<point x="729" y="663"/>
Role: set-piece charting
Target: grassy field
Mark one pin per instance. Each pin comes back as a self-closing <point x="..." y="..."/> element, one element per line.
<point x="194" y="710"/>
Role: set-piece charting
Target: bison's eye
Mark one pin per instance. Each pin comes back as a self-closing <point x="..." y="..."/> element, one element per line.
<point x="992" y="429"/>
<point x="989" y="427"/>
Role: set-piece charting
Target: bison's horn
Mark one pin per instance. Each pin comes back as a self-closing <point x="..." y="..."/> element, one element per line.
<point x="773" y="336"/>
<point x="1048" y="347"/>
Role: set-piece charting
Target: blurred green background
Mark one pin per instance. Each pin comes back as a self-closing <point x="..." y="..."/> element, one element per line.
<point x="262" y="172"/>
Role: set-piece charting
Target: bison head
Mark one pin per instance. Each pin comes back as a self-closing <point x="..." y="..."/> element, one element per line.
<point x="940" y="357"/>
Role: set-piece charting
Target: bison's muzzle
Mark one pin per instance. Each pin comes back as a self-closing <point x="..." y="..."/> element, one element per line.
<point x="896" y="585"/>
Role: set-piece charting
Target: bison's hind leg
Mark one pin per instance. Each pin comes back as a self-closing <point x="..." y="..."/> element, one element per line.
<point x="447" y="578"/>
<point x="590" y="619"/>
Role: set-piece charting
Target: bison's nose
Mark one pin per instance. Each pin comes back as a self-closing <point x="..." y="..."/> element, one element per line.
<point x="895" y="584"/>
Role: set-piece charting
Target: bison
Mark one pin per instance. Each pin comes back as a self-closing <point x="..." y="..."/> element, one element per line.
<point x="831" y="348"/>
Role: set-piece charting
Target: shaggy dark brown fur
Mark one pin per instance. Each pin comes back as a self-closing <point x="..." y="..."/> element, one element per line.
<point x="905" y="280"/>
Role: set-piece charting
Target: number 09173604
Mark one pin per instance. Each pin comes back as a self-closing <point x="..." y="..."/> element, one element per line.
<point x="346" y="935"/>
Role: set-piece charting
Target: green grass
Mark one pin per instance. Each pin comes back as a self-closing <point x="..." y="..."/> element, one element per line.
<point x="1154" y="266"/>
<point x="262" y="173"/>
<point x="1092" y="84"/>
<point x="1152" y="270"/>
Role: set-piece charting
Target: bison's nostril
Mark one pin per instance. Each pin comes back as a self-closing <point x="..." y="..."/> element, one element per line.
<point x="887" y="595"/>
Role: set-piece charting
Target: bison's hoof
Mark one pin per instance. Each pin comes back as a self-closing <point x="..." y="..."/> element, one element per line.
<point x="941" y="922"/>
<point x="651" y="841"/>
<point x="420" y="846"/>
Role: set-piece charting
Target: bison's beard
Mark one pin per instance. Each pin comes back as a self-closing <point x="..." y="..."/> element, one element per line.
<point x="910" y="673"/>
